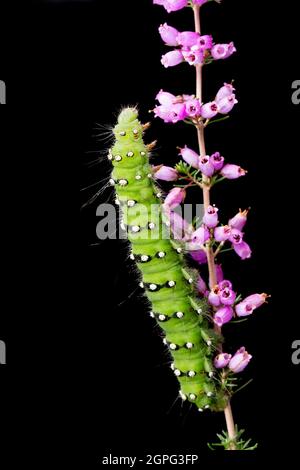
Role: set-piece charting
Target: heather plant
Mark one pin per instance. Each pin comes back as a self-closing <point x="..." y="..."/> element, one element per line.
<point x="190" y="305"/>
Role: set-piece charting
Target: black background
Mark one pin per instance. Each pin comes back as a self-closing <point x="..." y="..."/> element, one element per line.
<point x="84" y="358"/>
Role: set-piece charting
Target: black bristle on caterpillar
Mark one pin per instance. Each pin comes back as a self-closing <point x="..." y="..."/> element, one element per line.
<point x="168" y="285"/>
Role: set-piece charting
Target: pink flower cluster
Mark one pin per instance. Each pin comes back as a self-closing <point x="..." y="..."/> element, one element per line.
<point x="191" y="47"/>
<point x="209" y="165"/>
<point x="232" y="232"/>
<point x="241" y="358"/>
<point x="195" y="239"/>
<point x="223" y="299"/>
<point x="197" y="50"/>
<point x="177" y="108"/>
<point x="174" y="5"/>
<point x="236" y="363"/>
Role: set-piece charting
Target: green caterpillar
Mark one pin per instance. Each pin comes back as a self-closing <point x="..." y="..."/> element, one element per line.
<point x="166" y="279"/>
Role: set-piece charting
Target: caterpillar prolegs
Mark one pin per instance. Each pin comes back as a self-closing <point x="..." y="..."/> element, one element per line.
<point x="167" y="282"/>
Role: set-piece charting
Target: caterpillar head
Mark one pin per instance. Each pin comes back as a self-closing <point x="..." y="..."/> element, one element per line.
<point x="129" y="150"/>
<point x="128" y="128"/>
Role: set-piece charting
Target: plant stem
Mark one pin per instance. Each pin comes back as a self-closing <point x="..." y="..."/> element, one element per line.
<point x="198" y="66"/>
<point x="230" y="425"/>
<point x="206" y="201"/>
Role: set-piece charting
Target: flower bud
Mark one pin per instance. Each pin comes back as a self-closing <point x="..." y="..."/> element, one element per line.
<point x="223" y="315"/>
<point x="178" y="112"/>
<point x="165" y="98"/>
<point x="214" y="297"/>
<point x="236" y="236"/>
<point x="193" y="108"/>
<point x="188" y="38"/>
<point x="190" y="157"/>
<point x="172" y="58"/>
<point x="226" y="90"/>
<point x="232" y="172"/>
<point x="205" y="166"/>
<point x="201" y="235"/>
<point x="256" y="299"/>
<point x="221" y="234"/>
<point x="222" y="360"/>
<point x="205" y="41"/>
<point x="227" y="296"/>
<point x="163" y="112"/>
<point x="240" y="360"/>
<point x="174" y="198"/>
<point x="217" y="161"/>
<point x="168" y="34"/>
<point x="243" y="309"/>
<point x="193" y="57"/>
<point x="171" y="113"/>
<point x="243" y="250"/>
<point x="222" y="51"/>
<point x="209" y="110"/>
<point x="249" y="304"/>
<point x="165" y="173"/>
<point x="226" y="104"/>
<point x="239" y="220"/>
<point x="210" y="218"/>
